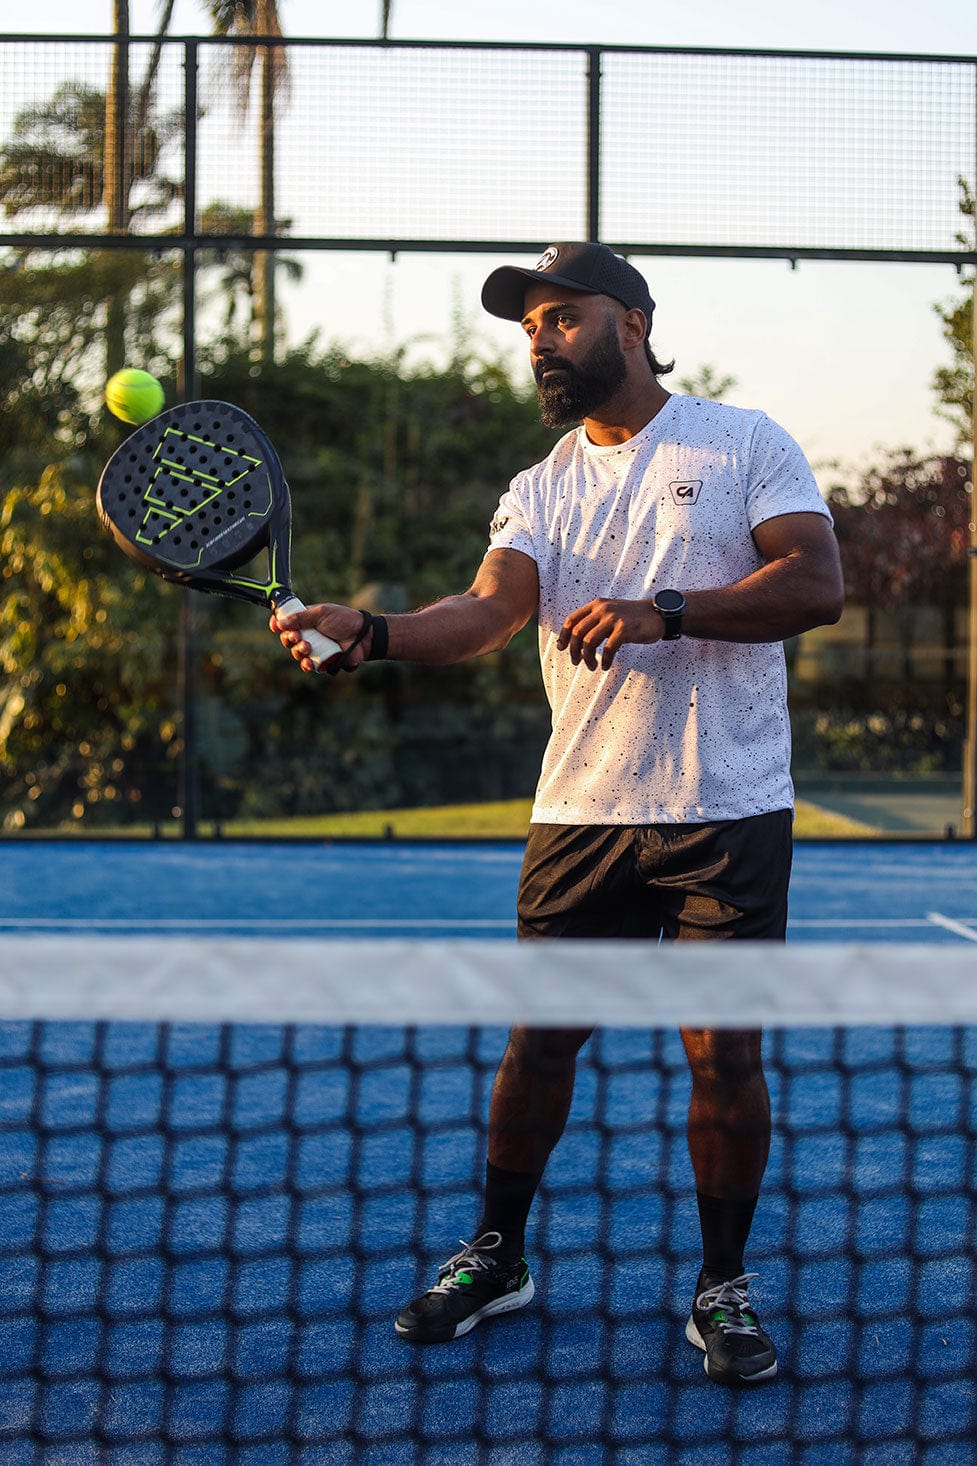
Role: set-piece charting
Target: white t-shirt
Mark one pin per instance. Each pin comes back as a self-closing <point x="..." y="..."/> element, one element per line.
<point x="679" y="732"/>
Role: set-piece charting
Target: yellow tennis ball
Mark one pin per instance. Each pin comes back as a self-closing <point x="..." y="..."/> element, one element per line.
<point x="133" y="395"/>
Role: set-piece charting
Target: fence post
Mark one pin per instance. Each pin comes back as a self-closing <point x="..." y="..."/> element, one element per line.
<point x="593" y="142"/>
<point x="189" y="390"/>
<point x="969" y="813"/>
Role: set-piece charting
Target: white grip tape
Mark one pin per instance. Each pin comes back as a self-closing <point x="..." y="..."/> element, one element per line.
<point x="321" y="646"/>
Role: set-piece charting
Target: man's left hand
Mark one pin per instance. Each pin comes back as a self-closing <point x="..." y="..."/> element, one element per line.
<point x="602" y="627"/>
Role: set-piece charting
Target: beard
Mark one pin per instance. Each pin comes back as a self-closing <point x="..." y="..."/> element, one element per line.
<point x="579" y="390"/>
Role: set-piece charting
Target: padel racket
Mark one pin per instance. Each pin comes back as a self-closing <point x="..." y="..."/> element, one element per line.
<point x="197" y="493"/>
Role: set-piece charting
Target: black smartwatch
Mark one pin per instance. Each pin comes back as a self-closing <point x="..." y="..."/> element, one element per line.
<point x="670" y="605"/>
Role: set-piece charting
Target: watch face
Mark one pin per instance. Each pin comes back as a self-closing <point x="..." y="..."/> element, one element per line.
<point x="669" y="600"/>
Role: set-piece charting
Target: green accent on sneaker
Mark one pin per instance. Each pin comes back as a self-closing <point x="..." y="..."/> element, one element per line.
<point x="722" y="1323"/>
<point x="471" y="1286"/>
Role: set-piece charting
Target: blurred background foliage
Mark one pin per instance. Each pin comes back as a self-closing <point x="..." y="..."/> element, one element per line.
<point x="395" y="472"/>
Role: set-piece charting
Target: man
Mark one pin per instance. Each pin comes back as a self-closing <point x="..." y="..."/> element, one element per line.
<point x="668" y="546"/>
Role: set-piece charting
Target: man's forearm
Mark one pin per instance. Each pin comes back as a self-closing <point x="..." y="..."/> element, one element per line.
<point x="485" y="618"/>
<point x="780" y="600"/>
<point x="451" y="630"/>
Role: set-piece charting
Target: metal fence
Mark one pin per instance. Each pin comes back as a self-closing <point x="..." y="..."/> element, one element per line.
<point x="191" y="144"/>
<point x="409" y="145"/>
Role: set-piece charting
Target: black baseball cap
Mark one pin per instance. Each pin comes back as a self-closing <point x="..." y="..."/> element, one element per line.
<point x="589" y="267"/>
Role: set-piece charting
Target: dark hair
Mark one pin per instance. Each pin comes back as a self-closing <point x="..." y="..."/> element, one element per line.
<point x="657" y="367"/>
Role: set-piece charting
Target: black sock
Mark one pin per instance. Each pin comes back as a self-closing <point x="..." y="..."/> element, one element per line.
<point x="508" y="1198"/>
<point x="725" y="1223"/>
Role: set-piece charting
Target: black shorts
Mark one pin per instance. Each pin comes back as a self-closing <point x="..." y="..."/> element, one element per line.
<point x="706" y="882"/>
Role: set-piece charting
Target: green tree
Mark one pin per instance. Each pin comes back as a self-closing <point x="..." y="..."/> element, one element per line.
<point x="53" y="319"/>
<point x="260" y="19"/>
<point x="954" y="384"/>
<point x="89" y="727"/>
<point x="237" y="280"/>
<point x="129" y="148"/>
<point x="36" y="408"/>
<point x="87" y="731"/>
<point x="902" y="531"/>
<point x="54" y="161"/>
<point x="705" y="382"/>
<point x="83" y="153"/>
<point x="82" y="710"/>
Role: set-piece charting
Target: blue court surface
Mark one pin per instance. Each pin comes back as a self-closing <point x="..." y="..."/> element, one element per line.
<point x="840" y="891"/>
<point x="206" y="1230"/>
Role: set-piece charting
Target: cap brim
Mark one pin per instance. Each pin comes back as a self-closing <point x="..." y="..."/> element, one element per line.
<point x="504" y="291"/>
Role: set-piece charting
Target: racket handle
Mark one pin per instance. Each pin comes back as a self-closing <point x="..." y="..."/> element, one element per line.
<point x="321" y="648"/>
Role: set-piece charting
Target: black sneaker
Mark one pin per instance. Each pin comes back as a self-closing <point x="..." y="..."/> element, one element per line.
<point x="471" y="1286"/>
<point x="724" y="1324"/>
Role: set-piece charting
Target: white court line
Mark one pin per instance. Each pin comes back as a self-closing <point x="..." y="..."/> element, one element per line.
<point x="314" y="923"/>
<point x="957" y="927"/>
<point x="829" y="921"/>
<point x="208" y="923"/>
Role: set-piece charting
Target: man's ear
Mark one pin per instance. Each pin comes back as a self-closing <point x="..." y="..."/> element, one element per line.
<point x="635" y="327"/>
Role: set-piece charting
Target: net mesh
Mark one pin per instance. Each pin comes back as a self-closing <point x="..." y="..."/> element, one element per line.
<point x="491" y="145"/>
<point x="53" y="161"/>
<point x="208" y="1228"/>
<point x="816" y="152"/>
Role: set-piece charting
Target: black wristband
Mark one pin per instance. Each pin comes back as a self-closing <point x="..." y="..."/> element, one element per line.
<point x="381" y="636"/>
<point x="341" y="664"/>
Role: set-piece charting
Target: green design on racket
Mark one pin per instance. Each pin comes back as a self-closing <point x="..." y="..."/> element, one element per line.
<point x="195" y="495"/>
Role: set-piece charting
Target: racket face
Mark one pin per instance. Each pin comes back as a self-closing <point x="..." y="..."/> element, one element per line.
<point x="196" y="493"/>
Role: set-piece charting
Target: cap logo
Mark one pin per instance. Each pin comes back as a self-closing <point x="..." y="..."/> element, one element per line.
<point x="547" y="258"/>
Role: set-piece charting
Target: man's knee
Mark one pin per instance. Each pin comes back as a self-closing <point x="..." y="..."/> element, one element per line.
<point x="544" y="1050"/>
<point x="724" y="1059"/>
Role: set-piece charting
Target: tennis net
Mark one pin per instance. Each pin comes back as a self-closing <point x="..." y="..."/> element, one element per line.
<point x="225" y="1165"/>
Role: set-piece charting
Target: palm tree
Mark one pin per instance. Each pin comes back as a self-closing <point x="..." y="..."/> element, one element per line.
<point x="127" y="117"/>
<point x="82" y="152"/>
<point x="236" y="280"/>
<point x="258" y="18"/>
<point x="115" y="167"/>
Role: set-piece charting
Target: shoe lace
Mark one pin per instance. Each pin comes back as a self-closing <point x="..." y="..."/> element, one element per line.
<point x="731" y="1299"/>
<point x="471" y="1259"/>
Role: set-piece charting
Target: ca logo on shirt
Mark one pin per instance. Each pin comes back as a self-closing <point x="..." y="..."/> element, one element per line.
<point x="686" y="490"/>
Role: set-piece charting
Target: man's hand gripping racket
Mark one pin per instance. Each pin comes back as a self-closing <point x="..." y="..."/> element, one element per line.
<point x="194" y="495"/>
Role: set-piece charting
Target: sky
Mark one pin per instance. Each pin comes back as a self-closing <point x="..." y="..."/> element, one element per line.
<point x="842" y="354"/>
<point x="943" y="27"/>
